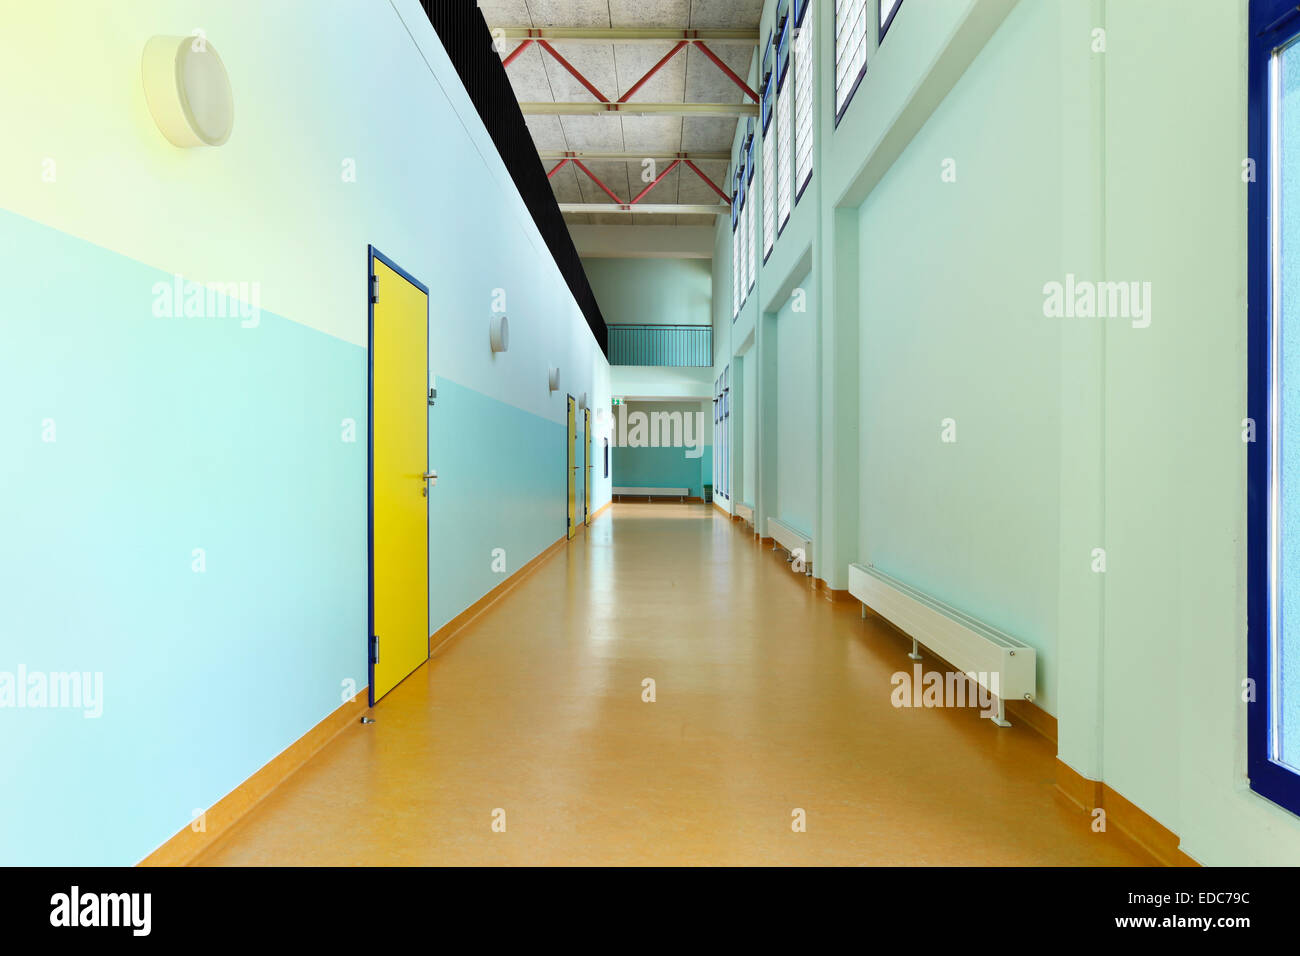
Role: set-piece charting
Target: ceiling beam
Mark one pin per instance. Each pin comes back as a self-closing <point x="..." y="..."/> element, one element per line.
<point x="632" y="156"/>
<point x="662" y="209"/>
<point x="624" y="34"/>
<point x="640" y="109"/>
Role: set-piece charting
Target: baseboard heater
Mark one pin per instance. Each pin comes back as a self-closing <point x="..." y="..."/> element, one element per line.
<point x="746" y="512"/>
<point x="649" y="493"/>
<point x="796" y="542"/>
<point x="1001" y="664"/>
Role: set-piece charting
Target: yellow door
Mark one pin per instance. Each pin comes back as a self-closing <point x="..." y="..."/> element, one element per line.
<point x="572" y="466"/>
<point x="399" y="459"/>
<point x="586" y="461"/>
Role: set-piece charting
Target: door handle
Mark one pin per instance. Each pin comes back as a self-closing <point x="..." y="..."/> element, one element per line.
<point x="430" y="478"/>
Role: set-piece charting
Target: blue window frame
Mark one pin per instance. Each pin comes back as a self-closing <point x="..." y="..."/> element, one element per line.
<point x="803" y="51"/>
<point x="749" y="153"/>
<point x="1273" y="403"/>
<point x="784" y="119"/>
<point x="735" y="252"/>
<point x="765" y="84"/>
<point x="783" y="28"/>
<point x="888" y="10"/>
<point x="850" y="52"/>
<point x="768" y="157"/>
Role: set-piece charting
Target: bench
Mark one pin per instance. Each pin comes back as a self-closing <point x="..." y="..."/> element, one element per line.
<point x="648" y="493"/>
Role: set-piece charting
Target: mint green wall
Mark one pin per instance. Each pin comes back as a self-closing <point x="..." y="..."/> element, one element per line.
<point x="973" y="522"/>
<point x="795" y="439"/>
<point x="747" y="426"/>
<point x="1072" y="434"/>
<point x="1173" y="636"/>
<point x="652" y="291"/>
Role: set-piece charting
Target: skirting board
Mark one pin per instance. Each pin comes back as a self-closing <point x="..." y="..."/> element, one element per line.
<point x="1026" y="711"/>
<point x="1121" y="813"/>
<point x="186" y="845"/>
<point x="1134" y="822"/>
<point x="833" y="594"/>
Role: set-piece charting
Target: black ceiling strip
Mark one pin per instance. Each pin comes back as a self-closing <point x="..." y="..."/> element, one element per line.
<point x="468" y="42"/>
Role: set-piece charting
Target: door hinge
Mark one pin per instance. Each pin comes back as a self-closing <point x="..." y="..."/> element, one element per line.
<point x="374" y="288"/>
<point x="374" y="648"/>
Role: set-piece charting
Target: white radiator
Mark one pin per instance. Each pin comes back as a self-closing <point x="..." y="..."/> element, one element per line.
<point x="746" y="512"/>
<point x="796" y="542"/>
<point x="969" y="645"/>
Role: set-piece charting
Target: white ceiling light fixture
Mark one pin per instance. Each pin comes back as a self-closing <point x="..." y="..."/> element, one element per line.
<point x="188" y="90"/>
<point x="499" y="333"/>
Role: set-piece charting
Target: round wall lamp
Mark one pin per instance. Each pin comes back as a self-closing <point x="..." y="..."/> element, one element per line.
<point x="553" y="379"/>
<point x="499" y="333"/>
<point x="188" y="90"/>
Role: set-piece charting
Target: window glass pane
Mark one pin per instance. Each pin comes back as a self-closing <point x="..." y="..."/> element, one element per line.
<point x="785" y="153"/>
<point x="749" y="240"/>
<point x="803" y="78"/>
<point x="850" y="47"/>
<point x="769" y="189"/>
<point x="735" y="269"/>
<point x="886" y="9"/>
<point x="1286" y="444"/>
<point x="744" y="254"/>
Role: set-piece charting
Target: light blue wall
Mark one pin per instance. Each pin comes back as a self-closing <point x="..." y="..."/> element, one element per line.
<point x="176" y="434"/>
<point x="171" y="434"/>
<point x="484" y="500"/>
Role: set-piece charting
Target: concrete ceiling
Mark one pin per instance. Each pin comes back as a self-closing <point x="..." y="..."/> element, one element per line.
<point x="613" y="68"/>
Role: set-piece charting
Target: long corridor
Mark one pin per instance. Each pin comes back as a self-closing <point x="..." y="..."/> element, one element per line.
<point x="768" y="700"/>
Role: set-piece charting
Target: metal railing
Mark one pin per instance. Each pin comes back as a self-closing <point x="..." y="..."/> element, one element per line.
<point x="682" y="346"/>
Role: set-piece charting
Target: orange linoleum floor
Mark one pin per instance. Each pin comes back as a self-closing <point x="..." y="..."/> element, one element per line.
<point x="769" y="698"/>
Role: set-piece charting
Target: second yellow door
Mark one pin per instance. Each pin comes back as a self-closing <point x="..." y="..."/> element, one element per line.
<point x="570" y="437"/>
